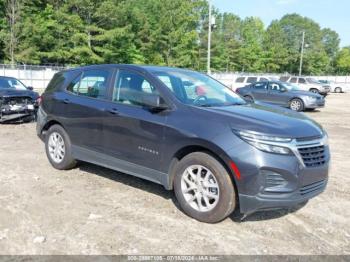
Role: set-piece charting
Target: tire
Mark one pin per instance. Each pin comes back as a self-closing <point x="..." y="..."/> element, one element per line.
<point x="296" y="104"/>
<point x="221" y="186"/>
<point x="249" y="98"/>
<point x="64" y="161"/>
<point x="338" y="90"/>
<point x="314" y="90"/>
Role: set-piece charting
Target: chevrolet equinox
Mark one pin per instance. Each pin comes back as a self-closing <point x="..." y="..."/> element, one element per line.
<point x="187" y="132"/>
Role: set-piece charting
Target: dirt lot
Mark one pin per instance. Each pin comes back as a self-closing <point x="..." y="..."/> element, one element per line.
<point x="92" y="210"/>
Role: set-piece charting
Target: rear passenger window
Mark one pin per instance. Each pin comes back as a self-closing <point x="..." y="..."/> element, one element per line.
<point x="263" y="79"/>
<point x="302" y="81"/>
<point x="92" y="83"/>
<point x="251" y="80"/>
<point x="240" y="80"/>
<point x="293" y="80"/>
<point x="261" y="86"/>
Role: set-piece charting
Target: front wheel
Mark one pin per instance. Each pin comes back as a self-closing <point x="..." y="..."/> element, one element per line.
<point x="58" y="148"/>
<point x="296" y="105"/>
<point x="204" y="188"/>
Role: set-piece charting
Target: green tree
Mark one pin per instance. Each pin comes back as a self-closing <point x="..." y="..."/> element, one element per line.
<point x="343" y="61"/>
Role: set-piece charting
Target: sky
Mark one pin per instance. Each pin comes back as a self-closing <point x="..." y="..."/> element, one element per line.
<point x="334" y="14"/>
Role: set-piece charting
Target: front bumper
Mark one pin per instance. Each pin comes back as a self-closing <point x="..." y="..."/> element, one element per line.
<point x="272" y="181"/>
<point x="315" y="104"/>
<point x="17" y="113"/>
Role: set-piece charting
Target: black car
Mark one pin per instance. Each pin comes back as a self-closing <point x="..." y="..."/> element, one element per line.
<point x="18" y="103"/>
<point x="187" y="132"/>
<point x="282" y="94"/>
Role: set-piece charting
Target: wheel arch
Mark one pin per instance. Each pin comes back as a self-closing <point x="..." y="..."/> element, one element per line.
<point x="49" y="124"/>
<point x="212" y="150"/>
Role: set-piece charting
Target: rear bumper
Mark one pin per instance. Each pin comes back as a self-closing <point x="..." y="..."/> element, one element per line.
<point x="40" y="123"/>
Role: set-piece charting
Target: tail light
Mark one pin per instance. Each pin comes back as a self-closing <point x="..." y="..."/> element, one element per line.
<point x="39" y="100"/>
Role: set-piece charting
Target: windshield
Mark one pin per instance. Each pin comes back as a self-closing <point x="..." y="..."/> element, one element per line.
<point x="291" y="87"/>
<point x="11" y="83"/>
<point x="193" y="88"/>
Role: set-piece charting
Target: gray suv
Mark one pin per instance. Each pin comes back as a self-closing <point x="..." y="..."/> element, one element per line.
<point x="187" y="132"/>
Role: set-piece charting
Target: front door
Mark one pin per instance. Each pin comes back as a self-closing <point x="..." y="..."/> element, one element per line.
<point x="133" y="133"/>
<point x="277" y="94"/>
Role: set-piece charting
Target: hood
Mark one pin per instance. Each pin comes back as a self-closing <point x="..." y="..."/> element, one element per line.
<point x="270" y="120"/>
<point x="18" y="93"/>
<point x="305" y="93"/>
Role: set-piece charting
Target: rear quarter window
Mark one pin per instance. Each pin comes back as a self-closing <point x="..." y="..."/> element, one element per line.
<point x="56" y="82"/>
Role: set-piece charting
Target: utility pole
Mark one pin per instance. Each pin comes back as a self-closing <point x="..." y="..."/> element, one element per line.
<point x="302" y="54"/>
<point x="209" y="39"/>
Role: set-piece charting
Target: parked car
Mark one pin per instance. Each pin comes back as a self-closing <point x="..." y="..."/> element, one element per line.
<point x="187" y="132"/>
<point x="307" y="84"/>
<point x="243" y="81"/>
<point x="282" y="94"/>
<point x="18" y="103"/>
<point x="336" y="87"/>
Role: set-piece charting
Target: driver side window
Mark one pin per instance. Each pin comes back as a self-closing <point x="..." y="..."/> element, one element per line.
<point x="276" y="87"/>
<point x="131" y="87"/>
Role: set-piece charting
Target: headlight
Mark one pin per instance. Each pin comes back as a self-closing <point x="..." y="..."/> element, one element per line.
<point x="265" y="143"/>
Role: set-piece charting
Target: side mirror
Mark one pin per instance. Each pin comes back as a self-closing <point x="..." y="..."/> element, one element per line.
<point x="154" y="102"/>
<point x="283" y="90"/>
<point x="30" y="88"/>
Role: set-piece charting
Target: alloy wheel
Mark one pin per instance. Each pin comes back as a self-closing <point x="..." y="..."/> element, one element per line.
<point x="200" y="188"/>
<point x="295" y="105"/>
<point x="57" y="148"/>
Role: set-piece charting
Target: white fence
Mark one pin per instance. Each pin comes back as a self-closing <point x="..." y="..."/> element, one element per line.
<point x="36" y="76"/>
<point x="39" y="76"/>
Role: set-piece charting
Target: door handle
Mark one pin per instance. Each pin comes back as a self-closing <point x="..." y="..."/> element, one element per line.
<point x="113" y="111"/>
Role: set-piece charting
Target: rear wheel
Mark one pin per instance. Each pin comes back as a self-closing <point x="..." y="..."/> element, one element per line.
<point x="296" y="104"/>
<point x="338" y="90"/>
<point x="58" y="148"/>
<point x="204" y="188"/>
<point x="314" y="90"/>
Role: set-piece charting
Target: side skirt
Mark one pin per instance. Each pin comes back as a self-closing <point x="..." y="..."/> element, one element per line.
<point x="123" y="166"/>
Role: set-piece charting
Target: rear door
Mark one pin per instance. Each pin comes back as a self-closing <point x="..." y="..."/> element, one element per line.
<point x="259" y="91"/>
<point x="133" y="133"/>
<point x="84" y="102"/>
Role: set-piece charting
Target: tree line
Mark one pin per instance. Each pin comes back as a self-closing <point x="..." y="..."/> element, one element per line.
<point x="162" y="32"/>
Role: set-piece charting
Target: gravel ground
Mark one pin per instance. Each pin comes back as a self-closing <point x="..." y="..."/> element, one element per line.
<point x="93" y="210"/>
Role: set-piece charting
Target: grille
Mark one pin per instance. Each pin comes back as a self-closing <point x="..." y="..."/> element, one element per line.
<point x="19" y="100"/>
<point x="308" y="138"/>
<point x="312" y="188"/>
<point x="313" y="156"/>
